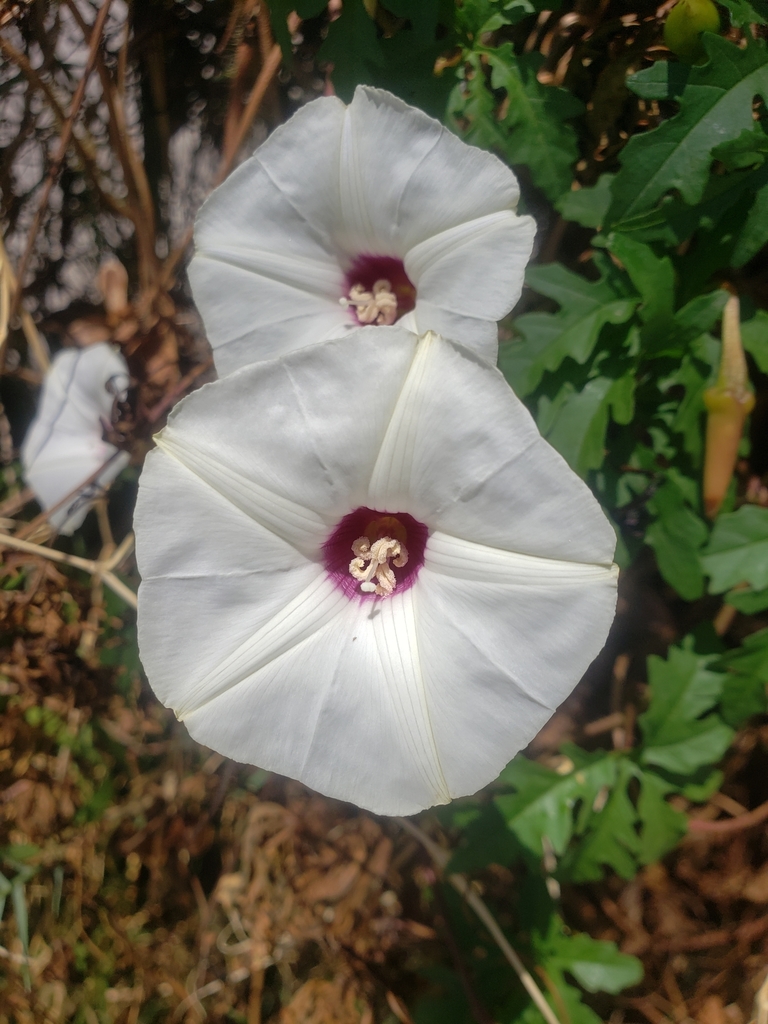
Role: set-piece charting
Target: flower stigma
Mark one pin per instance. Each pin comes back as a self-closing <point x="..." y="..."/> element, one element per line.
<point x="380" y="543"/>
<point x="375" y="307"/>
<point x="378" y="290"/>
<point x="377" y="549"/>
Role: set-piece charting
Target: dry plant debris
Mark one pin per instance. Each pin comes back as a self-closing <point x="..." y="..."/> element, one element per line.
<point x="155" y="887"/>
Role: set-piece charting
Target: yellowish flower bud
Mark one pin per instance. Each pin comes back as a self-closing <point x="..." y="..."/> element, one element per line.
<point x="728" y="404"/>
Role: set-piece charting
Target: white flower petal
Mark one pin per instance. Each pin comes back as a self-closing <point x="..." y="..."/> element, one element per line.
<point x="64" y="445"/>
<point x="343" y="710"/>
<point x="404" y="177"/>
<point x="277" y="200"/>
<point x="299" y="456"/>
<point x="463" y="560"/>
<point x="250" y="315"/>
<point x="255" y="307"/>
<point x="293" y="624"/>
<point x="472" y="272"/>
<point x="494" y="680"/>
<point x="64" y="462"/>
<point x="400" y="703"/>
<point x="463" y="454"/>
<point x="214" y="579"/>
<point x="274" y="241"/>
<point x="292" y="522"/>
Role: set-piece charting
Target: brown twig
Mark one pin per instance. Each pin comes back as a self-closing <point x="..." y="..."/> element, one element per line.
<point x="462" y="886"/>
<point x="153" y="415"/>
<point x="66" y="134"/>
<point x="736" y="824"/>
<point x="267" y="73"/>
<point x="39" y="83"/>
<point x="100" y="569"/>
<point x="8" y="287"/>
<point x="140" y="210"/>
<point x="604" y="724"/>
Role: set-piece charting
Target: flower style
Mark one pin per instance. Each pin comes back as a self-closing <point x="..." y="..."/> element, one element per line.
<point x="363" y="567"/>
<point x="358" y="215"/>
<point x="64" y="446"/>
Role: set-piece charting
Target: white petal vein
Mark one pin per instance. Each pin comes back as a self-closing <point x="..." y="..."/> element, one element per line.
<point x="301" y="527"/>
<point x="300" y="619"/>
<point x="466" y="560"/>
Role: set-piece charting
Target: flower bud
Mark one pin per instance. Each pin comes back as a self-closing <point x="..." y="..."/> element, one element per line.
<point x="684" y="25"/>
<point x="728" y="404"/>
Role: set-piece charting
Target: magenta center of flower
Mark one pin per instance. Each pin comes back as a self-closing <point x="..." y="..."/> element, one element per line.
<point x="378" y="290"/>
<point x="374" y="554"/>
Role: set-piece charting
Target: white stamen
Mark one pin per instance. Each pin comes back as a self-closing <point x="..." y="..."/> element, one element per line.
<point x="379" y="306"/>
<point x="378" y="577"/>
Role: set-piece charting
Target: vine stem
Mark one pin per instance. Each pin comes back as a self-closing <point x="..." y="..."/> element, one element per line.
<point x="730" y="824"/>
<point x="461" y="884"/>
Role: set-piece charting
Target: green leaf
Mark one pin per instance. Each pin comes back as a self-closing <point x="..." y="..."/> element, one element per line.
<point x="5" y="891"/>
<point x="475" y="18"/>
<point x="103" y="797"/>
<point x="534" y="122"/>
<point x="352" y="46"/>
<point x="703" y="784"/>
<point x="532" y="129"/>
<point x="654" y="278"/>
<point x="744" y="690"/>
<point x="750" y="149"/>
<point x="662" y="825"/>
<point x="677" y="536"/>
<point x="738" y="550"/>
<point x="587" y="206"/>
<point x="698" y="315"/>
<point x="611" y="839"/>
<point x="19" y="901"/>
<point x="682" y="688"/>
<point x="575" y="422"/>
<point x="743" y="698"/>
<point x="754" y="338"/>
<point x="542" y="805"/>
<point x="754" y="234"/>
<point x="484" y="840"/>
<point x="747" y="12"/>
<point x="695" y="373"/>
<point x="751" y="658"/>
<point x="279" y="11"/>
<point x="716" y="102"/>
<point x="586" y="307"/>
<point x="675" y="735"/>
<point x="597" y="966"/>
<point x="748" y="602"/>
<point x="446" y="1003"/>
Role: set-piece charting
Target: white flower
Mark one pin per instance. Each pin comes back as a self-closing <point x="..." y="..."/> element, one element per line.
<point x="375" y="205"/>
<point x="64" y="445"/>
<point x="285" y="502"/>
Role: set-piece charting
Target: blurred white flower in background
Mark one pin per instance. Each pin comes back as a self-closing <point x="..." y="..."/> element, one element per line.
<point x="64" y="446"/>
<point x="362" y="567"/>
<point x="358" y="214"/>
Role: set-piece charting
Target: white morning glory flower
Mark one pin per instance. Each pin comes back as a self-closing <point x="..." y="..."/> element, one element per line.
<point x="358" y="214"/>
<point x="64" y="445"/>
<point x="363" y="567"/>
